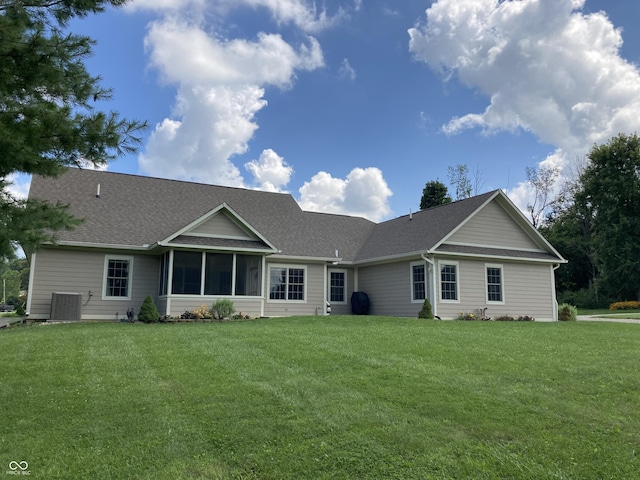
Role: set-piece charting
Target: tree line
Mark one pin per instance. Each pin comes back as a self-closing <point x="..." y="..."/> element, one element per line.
<point x="593" y="222"/>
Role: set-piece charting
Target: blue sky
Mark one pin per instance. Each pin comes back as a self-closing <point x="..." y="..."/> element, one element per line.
<point x="352" y="106"/>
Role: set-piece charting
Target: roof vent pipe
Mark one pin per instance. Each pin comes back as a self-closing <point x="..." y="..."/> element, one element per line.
<point x="98" y="192"/>
<point x="410" y="214"/>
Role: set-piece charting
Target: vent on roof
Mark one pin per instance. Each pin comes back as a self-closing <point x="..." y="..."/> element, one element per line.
<point x="66" y="306"/>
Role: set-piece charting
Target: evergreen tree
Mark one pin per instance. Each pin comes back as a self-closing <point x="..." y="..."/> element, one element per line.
<point x="434" y="194"/>
<point x="48" y="119"/>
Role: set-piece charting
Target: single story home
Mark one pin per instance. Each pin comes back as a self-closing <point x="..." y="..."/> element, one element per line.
<point x="188" y="244"/>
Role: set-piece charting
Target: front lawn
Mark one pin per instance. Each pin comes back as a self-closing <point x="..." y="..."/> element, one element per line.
<point x="321" y="398"/>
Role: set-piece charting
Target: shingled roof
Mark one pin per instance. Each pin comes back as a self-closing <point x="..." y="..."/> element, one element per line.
<point x="419" y="231"/>
<point x="137" y="212"/>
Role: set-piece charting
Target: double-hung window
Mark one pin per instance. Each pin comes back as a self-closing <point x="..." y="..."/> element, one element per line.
<point x="287" y="283"/>
<point x="494" y="284"/>
<point x="418" y="282"/>
<point x="117" y="277"/>
<point x="449" y="281"/>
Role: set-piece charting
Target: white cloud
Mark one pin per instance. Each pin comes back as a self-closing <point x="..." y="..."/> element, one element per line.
<point x="270" y="171"/>
<point x="221" y="86"/>
<point x="547" y="68"/>
<point x="346" y="70"/>
<point x="363" y="193"/>
<point x="220" y="90"/>
<point x="18" y="185"/>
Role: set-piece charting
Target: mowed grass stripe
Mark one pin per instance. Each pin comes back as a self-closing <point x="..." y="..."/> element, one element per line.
<point x="339" y="397"/>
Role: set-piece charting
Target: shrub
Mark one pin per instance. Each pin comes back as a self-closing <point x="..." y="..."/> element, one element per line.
<point x="467" y="316"/>
<point x="427" y="311"/>
<point x="202" y="312"/>
<point x="223" y="308"/>
<point x="525" y="318"/>
<point x="505" y="318"/>
<point x="148" y="311"/>
<point x="633" y="305"/>
<point x="567" y="313"/>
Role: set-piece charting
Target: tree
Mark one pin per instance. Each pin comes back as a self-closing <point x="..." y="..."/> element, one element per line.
<point x="459" y="178"/>
<point x="10" y="286"/>
<point x="148" y="311"/>
<point x="434" y="194"/>
<point x="541" y="179"/>
<point x="47" y="116"/>
<point x="611" y="195"/>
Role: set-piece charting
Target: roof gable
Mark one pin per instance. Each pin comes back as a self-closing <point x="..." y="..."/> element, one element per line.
<point x="498" y="228"/>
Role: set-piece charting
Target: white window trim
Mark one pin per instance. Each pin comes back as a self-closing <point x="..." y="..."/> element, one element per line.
<point x="286" y="300"/>
<point x="439" y="276"/>
<point x="107" y="258"/>
<point x="337" y="270"/>
<point x="486" y="283"/>
<point x="411" y="282"/>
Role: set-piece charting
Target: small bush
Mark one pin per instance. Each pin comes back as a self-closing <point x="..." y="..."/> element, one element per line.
<point x="633" y="305"/>
<point x="525" y="318"/>
<point x="467" y="316"/>
<point x="223" y="308"/>
<point x="148" y="311"/>
<point x="505" y="318"/>
<point x="567" y="313"/>
<point x="427" y="311"/>
<point x="202" y="312"/>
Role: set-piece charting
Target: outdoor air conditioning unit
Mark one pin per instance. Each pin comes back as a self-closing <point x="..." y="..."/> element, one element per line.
<point x="66" y="306"/>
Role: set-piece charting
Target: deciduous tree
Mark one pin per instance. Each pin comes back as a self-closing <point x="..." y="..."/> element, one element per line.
<point x="611" y="195"/>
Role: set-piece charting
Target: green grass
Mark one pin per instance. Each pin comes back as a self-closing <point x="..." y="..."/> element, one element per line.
<point x="322" y="398"/>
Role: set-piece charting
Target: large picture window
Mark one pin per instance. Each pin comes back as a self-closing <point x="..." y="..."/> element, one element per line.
<point x="494" y="284"/>
<point x="449" y="282"/>
<point x="117" y="277"/>
<point x="287" y="283"/>
<point x="418" y="282"/>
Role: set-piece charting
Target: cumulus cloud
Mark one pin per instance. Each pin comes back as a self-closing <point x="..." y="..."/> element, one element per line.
<point x="220" y="89"/>
<point x="270" y="171"/>
<point x="363" y="193"/>
<point x="546" y="67"/>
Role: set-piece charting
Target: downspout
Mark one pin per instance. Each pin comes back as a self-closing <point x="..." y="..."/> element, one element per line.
<point x="32" y="271"/>
<point x="432" y="283"/>
<point x="553" y="291"/>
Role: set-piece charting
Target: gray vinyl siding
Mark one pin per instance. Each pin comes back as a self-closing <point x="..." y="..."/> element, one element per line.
<point x="493" y="226"/>
<point x="243" y="305"/>
<point x="220" y="225"/>
<point x="527" y="290"/>
<point x="76" y="271"/>
<point x="389" y="289"/>
<point x="314" y="303"/>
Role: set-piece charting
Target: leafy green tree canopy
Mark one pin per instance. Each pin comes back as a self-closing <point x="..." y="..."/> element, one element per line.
<point x="611" y="194"/>
<point x="48" y="119"/>
<point x="434" y="193"/>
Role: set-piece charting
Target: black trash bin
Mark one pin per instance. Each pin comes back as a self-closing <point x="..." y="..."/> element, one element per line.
<point x="360" y="303"/>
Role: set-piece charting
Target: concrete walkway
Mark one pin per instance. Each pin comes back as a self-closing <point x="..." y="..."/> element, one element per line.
<point x="589" y="318"/>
